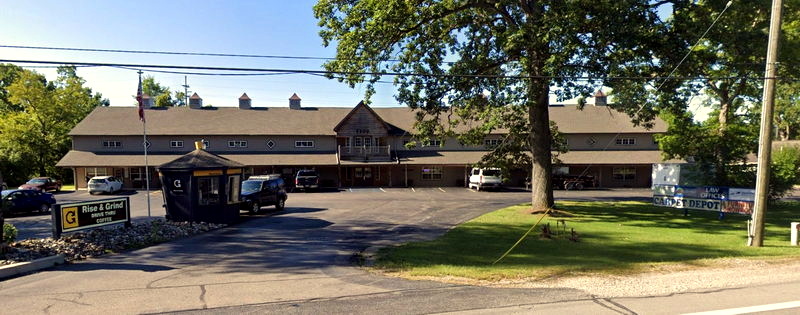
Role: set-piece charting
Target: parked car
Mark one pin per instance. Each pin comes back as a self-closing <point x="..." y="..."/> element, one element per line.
<point x="481" y="178"/>
<point x="568" y="182"/>
<point x="306" y="179"/>
<point x="104" y="184"/>
<point x="259" y="191"/>
<point x="42" y="184"/>
<point x="27" y="200"/>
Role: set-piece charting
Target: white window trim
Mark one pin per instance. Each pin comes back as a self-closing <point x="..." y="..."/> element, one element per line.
<point x="108" y="144"/>
<point x="625" y="141"/>
<point x="176" y="143"/>
<point x="302" y="144"/>
<point x="206" y="144"/>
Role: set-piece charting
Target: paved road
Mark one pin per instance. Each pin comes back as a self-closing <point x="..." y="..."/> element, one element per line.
<point x="38" y="225"/>
<point x="299" y="261"/>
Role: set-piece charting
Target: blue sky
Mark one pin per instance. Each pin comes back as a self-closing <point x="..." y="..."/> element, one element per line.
<point x="236" y="27"/>
<point x="272" y="27"/>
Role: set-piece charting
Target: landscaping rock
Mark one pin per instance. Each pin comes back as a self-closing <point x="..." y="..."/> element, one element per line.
<point x="82" y="245"/>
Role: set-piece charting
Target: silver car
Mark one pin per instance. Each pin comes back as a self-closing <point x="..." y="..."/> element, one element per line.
<point x="104" y="184"/>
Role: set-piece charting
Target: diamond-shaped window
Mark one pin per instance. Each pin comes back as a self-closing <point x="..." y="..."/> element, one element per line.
<point x="270" y="144"/>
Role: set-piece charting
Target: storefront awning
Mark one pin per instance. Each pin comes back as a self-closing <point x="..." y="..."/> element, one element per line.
<point x="93" y="159"/>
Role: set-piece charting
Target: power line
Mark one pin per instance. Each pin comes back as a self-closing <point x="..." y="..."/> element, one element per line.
<point x="168" y="52"/>
<point x="368" y="73"/>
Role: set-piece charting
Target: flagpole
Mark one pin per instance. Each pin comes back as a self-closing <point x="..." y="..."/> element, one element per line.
<point x="144" y="144"/>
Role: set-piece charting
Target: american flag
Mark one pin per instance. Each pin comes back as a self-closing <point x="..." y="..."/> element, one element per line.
<point x="139" y="99"/>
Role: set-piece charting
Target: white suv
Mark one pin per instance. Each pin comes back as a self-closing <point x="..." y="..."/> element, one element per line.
<point x="104" y="184"/>
<point x="485" y="177"/>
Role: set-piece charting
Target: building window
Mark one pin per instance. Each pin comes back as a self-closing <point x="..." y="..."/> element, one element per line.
<point x="624" y="174"/>
<point x="176" y="144"/>
<point x="432" y="143"/>
<point x="625" y="141"/>
<point x="358" y="141"/>
<point x="112" y="144"/>
<point x="432" y="173"/>
<point x="491" y="143"/>
<point x="206" y="144"/>
<point x="208" y="190"/>
<point x="304" y="144"/>
<point x="237" y="144"/>
<point x="96" y="171"/>
<point x="270" y="144"/>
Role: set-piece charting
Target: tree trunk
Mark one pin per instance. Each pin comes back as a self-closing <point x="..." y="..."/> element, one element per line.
<point x="540" y="140"/>
<point x="720" y="172"/>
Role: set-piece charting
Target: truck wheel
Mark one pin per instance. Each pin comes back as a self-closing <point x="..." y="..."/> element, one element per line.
<point x="281" y="204"/>
<point x="579" y="186"/>
<point x="256" y="208"/>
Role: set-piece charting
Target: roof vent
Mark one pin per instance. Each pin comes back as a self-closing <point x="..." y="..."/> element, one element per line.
<point x="294" y="102"/>
<point x="195" y="102"/>
<point x="245" y="102"/>
<point x="600" y="98"/>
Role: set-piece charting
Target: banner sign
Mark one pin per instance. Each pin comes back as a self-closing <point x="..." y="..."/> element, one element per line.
<point x="71" y="217"/>
<point x="711" y="198"/>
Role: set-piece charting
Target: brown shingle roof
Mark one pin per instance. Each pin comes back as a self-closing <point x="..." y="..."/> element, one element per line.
<point x="309" y="121"/>
<point x="194" y="96"/>
<point x="244" y="97"/>
<point x="294" y="97"/>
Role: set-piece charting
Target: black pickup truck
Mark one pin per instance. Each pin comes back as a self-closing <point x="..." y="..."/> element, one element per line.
<point x="576" y="182"/>
<point x="569" y="182"/>
<point x="306" y="179"/>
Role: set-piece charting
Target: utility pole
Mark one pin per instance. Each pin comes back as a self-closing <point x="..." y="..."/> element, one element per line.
<point x="756" y="236"/>
<point x="185" y="91"/>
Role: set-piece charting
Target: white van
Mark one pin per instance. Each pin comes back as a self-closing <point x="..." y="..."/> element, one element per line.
<point x="481" y="178"/>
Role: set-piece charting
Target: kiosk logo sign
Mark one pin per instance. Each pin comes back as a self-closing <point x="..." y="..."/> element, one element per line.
<point x="86" y="215"/>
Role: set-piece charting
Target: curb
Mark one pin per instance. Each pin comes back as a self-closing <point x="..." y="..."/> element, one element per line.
<point x="30" y="266"/>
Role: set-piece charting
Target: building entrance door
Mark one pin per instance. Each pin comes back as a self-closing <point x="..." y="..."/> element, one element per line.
<point x="362" y="176"/>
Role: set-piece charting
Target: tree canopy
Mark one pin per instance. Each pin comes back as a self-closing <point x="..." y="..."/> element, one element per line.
<point x="488" y="64"/>
<point x="35" y="123"/>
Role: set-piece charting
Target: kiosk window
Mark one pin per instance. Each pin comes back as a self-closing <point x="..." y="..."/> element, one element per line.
<point x="208" y="190"/>
<point x="233" y="189"/>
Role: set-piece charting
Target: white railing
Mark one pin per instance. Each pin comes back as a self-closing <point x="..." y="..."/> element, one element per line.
<point x="365" y="152"/>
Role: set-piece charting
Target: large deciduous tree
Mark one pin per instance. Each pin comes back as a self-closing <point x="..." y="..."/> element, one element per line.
<point x="35" y="128"/>
<point x="488" y="64"/>
<point x="725" y="70"/>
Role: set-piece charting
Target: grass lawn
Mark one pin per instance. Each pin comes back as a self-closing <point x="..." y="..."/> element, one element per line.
<point x="618" y="237"/>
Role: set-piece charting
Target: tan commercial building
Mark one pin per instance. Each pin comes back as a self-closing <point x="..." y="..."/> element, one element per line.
<point x="349" y="147"/>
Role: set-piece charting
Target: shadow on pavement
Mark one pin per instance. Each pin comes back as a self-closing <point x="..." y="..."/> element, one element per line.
<point x="88" y="266"/>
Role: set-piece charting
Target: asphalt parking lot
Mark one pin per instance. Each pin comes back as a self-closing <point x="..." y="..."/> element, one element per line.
<point x="38" y="225"/>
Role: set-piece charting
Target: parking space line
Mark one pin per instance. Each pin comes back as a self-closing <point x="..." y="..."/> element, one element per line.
<point x="440" y="188"/>
<point x="412" y="189"/>
<point x="470" y="190"/>
<point x="351" y="189"/>
<point x="381" y="188"/>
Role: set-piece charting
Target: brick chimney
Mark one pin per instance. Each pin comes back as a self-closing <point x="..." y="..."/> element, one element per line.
<point x="245" y="102"/>
<point x="195" y="102"/>
<point x="147" y="101"/>
<point x="600" y="98"/>
<point x="294" y="102"/>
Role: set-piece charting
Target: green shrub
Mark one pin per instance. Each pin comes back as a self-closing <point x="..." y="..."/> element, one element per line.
<point x="9" y="233"/>
<point x="785" y="169"/>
